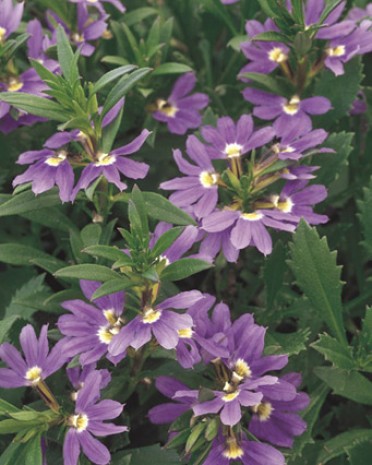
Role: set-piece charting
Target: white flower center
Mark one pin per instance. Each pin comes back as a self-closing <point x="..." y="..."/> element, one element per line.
<point x="251" y="216"/>
<point x="33" y="374"/>
<point x="286" y="206"/>
<point x="107" y="332"/>
<point x="79" y="422"/>
<point x="14" y="85"/>
<point x="293" y="106"/>
<point x="78" y="38"/>
<point x="242" y="369"/>
<point x="233" y="150"/>
<point x="105" y="159"/>
<point x="185" y="333"/>
<point x="276" y="54"/>
<point x="207" y="179"/>
<point x="338" y="51"/>
<point x="57" y="159"/>
<point x="263" y="410"/>
<point x="151" y="316"/>
<point x="2" y="33"/>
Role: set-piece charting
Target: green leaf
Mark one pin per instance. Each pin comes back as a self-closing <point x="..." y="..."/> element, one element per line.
<point x="110" y="132"/>
<point x="271" y="36"/>
<point x="290" y="344"/>
<point x="341" y="91"/>
<point x="166" y="240"/>
<point x="361" y="453"/>
<point x="5" y="326"/>
<point x="298" y="11"/>
<point x="330" y="6"/>
<point x="171" y="68"/>
<point x="311" y="416"/>
<point x="91" y="234"/>
<point x="159" y="208"/>
<point x="346" y="383"/>
<point x="27" y="201"/>
<point x="155" y="455"/>
<point x="139" y="14"/>
<point x="19" y="453"/>
<point x="111" y="76"/>
<point x="35" y="105"/>
<point x="120" y="89"/>
<point x="66" y="56"/>
<point x="183" y="268"/>
<point x="6" y="407"/>
<point x="365" y="217"/>
<point x="340" y="355"/>
<point x="53" y="218"/>
<point x="342" y="443"/>
<point x="140" y="205"/>
<point x="318" y="275"/>
<point x="331" y="164"/>
<point x="87" y="271"/>
<point x="112" y="286"/>
<point x="18" y="254"/>
<point x="105" y="251"/>
<point x="274" y="269"/>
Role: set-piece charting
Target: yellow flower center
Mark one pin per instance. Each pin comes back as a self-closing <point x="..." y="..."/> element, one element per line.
<point x="78" y="38"/>
<point x="233" y="150"/>
<point x="185" y="333"/>
<point x="79" y="422"/>
<point x="107" y="34"/>
<point x="33" y="374"/>
<point x="251" y="216"/>
<point x="57" y="159"/>
<point x="105" y="159"/>
<point x="263" y="410"/>
<point x="207" y="179"/>
<point x="14" y="85"/>
<point x="276" y="54"/>
<point x="166" y="108"/>
<point x="2" y="34"/>
<point x="231" y="396"/>
<point x="285" y="206"/>
<point x="242" y="369"/>
<point x="233" y="451"/>
<point x="338" y="51"/>
<point x="111" y="317"/>
<point x="293" y="106"/>
<point x="107" y="332"/>
<point x="151" y="316"/>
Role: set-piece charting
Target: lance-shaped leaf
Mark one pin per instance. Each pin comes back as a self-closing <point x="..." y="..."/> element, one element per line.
<point x="18" y="254"/>
<point x="27" y="202"/>
<point x="35" y="105"/>
<point x="105" y="251"/>
<point x="87" y="271"/>
<point x="159" y="208"/>
<point x="318" y="275"/>
<point x="66" y="57"/>
<point x="171" y="68"/>
<point x="112" y="76"/>
<point x="346" y="383"/>
<point x="166" y="240"/>
<point x="183" y="268"/>
<point x="112" y="286"/>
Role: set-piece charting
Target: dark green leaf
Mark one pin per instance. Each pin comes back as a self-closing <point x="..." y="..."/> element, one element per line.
<point x="171" y="68"/>
<point x="270" y="83"/>
<point x="183" y="268"/>
<point x="139" y="14"/>
<point x="159" y="208"/>
<point x="166" y="240"/>
<point x="111" y="286"/>
<point x="340" y="355"/>
<point x="87" y="271"/>
<point x="341" y="443"/>
<point x="361" y="453"/>
<point x="66" y="57"/>
<point x="274" y="270"/>
<point x="318" y="275"/>
<point x="18" y="254"/>
<point x="111" y="76"/>
<point x="27" y="201"/>
<point x="105" y="251"/>
<point x="365" y="217"/>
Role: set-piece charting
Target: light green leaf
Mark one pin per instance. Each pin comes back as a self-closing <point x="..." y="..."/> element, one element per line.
<point x="346" y="383"/>
<point x="66" y="57"/>
<point x="159" y="208"/>
<point x="87" y="271"/>
<point x="171" y="68"/>
<point x="183" y="268"/>
<point x="35" y="105"/>
<point x="111" y="76"/>
<point x="112" y="286"/>
<point x="318" y="275"/>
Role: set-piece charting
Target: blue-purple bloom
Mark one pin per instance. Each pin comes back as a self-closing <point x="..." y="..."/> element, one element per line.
<point x="37" y="364"/>
<point x="89" y="329"/>
<point x="182" y="111"/>
<point x="10" y="17"/>
<point x="88" y="421"/>
<point x="98" y="4"/>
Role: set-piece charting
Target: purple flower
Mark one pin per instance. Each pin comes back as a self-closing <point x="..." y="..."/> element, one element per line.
<point x="286" y="112"/>
<point x="213" y="243"/>
<point x="38" y="363"/>
<point x="90" y="328"/>
<point x="358" y="14"/>
<point x="78" y="375"/>
<point x="110" y="165"/>
<point x="229" y="140"/>
<point x="166" y="413"/>
<point x="198" y="188"/>
<point x="157" y="321"/>
<point x="87" y="28"/>
<point x="38" y="44"/>
<point x="50" y="167"/>
<point x="181" y="111"/>
<point x="97" y="4"/>
<point x="264" y="56"/>
<point x="10" y="18"/>
<point x="277" y="421"/>
<point x="248" y="229"/>
<point x="88" y="421"/>
<point x="231" y="449"/>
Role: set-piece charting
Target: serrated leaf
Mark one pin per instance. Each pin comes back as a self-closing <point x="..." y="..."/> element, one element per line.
<point x="340" y="355"/>
<point x="290" y="344"/>
<point x="346" y="383"/>
<point x="159" y="208"/>
<point x="5" y="326"/>
<point x="365" y="217"/>
<point x="340" y="90"/>
<point x="183" y="268"/>
<point x="331" y="164"/>
<point x="341" y="443"/>
<point x="87" y="271"/>
<point x="318" y="275"/>
<point x="361" y="453"/>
